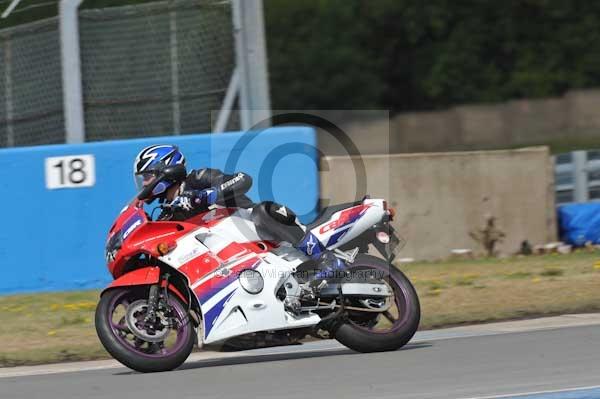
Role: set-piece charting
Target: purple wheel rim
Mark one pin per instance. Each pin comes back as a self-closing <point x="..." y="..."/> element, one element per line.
<point x="117" y="329"/>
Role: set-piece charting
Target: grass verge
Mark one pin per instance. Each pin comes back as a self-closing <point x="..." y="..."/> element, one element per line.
<point x="474" y="291"/>
<point x="49" y="327"/>
<point x="55" y="327"/>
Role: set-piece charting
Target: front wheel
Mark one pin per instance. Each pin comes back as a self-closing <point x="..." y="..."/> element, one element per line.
<point x="144" y="344"/>
<point x="385" y="331"/>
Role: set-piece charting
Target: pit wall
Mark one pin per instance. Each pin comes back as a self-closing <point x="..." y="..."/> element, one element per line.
<point x="53" y="239"/>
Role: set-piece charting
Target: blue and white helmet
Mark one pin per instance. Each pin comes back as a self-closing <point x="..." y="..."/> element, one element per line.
<point x="151" y="161"/>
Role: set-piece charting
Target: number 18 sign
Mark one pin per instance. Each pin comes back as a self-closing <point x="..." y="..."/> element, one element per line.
<point x="70" y="171"/>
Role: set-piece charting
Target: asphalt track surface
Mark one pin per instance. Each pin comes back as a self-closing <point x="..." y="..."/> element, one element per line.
<point x="455" y="363"/>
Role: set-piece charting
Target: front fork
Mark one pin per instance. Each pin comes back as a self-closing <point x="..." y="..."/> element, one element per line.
<point x="154" y="298"/>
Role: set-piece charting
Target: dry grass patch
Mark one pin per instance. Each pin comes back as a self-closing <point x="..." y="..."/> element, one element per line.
<point x="499" y="289"/>
<point x="49" y="327"/>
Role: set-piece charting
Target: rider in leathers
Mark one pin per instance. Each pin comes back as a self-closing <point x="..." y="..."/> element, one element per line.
<point x="205" y="187"/>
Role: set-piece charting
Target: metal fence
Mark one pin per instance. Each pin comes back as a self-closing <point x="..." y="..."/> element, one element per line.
<point x="577" y="176"/>
<point x="31" y="88"/>
<point x="147" y="70"/>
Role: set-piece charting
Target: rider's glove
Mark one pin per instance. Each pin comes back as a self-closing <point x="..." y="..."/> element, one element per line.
<point x="192" y="199"/>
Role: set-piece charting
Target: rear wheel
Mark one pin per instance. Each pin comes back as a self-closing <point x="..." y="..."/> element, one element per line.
<point x="144" y="344"/>
<point x="388" y="330"/>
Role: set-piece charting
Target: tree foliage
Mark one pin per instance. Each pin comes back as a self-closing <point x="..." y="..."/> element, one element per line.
<point x="414" y="54"/>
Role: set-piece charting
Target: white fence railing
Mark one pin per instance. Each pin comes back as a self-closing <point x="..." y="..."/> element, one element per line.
<point x="577" y="176"/>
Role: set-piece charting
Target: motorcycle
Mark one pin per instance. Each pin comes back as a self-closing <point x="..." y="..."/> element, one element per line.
<point x="212" y="279"/>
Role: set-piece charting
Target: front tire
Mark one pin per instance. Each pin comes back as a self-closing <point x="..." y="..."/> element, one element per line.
<point x="135" y="353"/>
<point x="357" y="335"/>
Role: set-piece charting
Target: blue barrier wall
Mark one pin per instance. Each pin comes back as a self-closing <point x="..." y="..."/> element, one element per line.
<point x="54" y="239"/>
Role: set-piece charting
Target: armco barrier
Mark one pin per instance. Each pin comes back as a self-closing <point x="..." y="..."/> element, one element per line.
<point x="53" y="239"/>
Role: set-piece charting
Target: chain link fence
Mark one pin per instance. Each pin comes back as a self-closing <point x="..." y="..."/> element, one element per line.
<point x="147" y="70"/>
<point x="31" y="103"/>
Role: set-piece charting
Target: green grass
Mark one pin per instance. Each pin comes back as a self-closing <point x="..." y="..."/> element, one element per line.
<point x="55" y="327"/>
<point x="465" y="280"/>
<point x="483" y="290"/>
<point x="558" y="146"/>
<point x="517" y="275"/>
<point x="48" y="327"/>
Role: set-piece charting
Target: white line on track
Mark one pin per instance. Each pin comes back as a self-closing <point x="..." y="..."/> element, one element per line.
<point x="517" y="395"/>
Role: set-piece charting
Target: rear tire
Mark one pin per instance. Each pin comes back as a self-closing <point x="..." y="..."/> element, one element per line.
<point x="125" y="354"/>
<point x="362" y="340"/>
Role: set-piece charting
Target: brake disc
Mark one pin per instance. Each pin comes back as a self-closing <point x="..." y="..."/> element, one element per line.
<point x="136" y="312"/>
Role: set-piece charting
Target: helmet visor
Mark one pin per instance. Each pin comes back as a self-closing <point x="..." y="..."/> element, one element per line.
<point x="143" y="179"/>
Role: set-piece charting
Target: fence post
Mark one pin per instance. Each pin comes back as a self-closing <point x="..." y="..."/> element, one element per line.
<point x="581" y="178"/>
<point x="227" y="106"/>
<point x="10" y="133"/>
<point x="251" y="60"/>
<point x="71" y="71"/>
<point x="174" y="52"/>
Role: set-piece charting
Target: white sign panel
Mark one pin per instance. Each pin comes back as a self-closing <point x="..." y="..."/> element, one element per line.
<point x="70" y="171"/>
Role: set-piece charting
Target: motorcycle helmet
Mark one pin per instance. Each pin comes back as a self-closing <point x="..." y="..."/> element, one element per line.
<point x="150" y="162"/>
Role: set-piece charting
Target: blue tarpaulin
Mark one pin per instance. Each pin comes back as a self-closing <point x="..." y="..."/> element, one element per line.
<point x="579" y="223"/>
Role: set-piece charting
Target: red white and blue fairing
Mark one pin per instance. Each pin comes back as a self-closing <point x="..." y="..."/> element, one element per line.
<point x="212" y="249"/>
